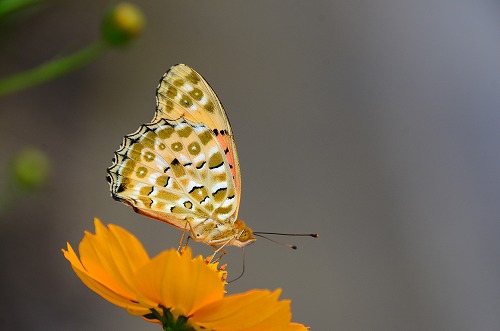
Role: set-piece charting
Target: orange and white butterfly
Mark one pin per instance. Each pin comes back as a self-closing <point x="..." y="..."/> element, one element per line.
<point x="182" y="168"/>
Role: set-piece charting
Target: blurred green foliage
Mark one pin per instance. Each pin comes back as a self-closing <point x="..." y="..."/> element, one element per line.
<point x="121" y="24"/>
<point x="50" y="70"/>
<point x="8" y="7"/>
<point x="28" y="172"/>
<point x="30" y="169"/>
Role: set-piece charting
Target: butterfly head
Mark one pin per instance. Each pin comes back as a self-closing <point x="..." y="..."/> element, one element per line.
<point x="245" y="234"/>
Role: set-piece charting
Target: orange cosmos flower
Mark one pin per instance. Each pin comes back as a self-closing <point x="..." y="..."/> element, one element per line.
<point x="176" y="290"/>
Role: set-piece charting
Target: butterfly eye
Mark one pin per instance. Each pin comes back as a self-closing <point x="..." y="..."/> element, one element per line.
<point x="245" y="235"/>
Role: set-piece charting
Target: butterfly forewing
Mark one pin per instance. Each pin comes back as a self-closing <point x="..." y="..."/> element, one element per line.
<point x="184" y="93"/>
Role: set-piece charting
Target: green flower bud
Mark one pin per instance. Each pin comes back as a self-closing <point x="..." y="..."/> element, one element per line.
<point x="30" y="169"/>
<point x="122" y="23"/>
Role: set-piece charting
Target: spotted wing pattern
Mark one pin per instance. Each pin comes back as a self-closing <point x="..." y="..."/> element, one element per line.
<point x="184" y="93"/>
<point x="176" y="171"/>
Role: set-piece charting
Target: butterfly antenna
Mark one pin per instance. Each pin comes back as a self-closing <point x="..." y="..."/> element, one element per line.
<point x="314" y="235"/>
<point x="276" y="242"/>
<point x="261" y="234"/>
<point x="242" y="271"/>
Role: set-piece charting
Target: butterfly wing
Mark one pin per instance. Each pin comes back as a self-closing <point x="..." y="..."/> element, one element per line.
<point x="175" y="171"/>
<point x="184" y="93"/>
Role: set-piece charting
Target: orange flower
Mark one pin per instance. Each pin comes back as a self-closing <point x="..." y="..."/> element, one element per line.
<point x="176" y="290"/>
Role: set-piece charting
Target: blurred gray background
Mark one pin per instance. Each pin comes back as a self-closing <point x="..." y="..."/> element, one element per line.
<point x="374" y="123"/>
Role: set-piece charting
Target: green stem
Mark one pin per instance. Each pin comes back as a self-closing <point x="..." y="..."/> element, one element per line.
<point x="51" y="70"/>
<point x="8" y="7"/>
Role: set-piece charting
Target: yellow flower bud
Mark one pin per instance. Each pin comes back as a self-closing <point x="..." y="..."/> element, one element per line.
<point x="122" y="23"/>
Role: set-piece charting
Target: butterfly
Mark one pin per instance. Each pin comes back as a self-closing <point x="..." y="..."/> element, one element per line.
<point x="183" y="168"/>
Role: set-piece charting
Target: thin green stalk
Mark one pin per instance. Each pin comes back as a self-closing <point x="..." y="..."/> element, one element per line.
<point x="50" y="70"/>
<point x="8" y="7"/>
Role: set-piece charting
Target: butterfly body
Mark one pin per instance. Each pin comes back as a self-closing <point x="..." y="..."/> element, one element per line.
<point x="182" y="168"/>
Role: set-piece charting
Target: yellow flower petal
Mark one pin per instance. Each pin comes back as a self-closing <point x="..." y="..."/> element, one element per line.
<point x="297" y="327"/>
<point x="179" y="281"/>
<point x="112" y="257"/>
<point x="97" y="286"/>
<point x="257" y="310"/>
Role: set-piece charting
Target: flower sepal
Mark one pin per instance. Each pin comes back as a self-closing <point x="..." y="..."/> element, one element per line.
<point x="168" y="320"/>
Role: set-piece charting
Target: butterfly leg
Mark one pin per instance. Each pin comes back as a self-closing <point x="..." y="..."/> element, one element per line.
<point x="181" y="245"/>
<point x="219" y="249"/>
<point x="180" y="249"/>
<point x="222" y="253"/>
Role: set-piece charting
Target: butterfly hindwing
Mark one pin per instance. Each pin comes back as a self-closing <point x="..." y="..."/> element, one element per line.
<point x="174" y="171"/>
